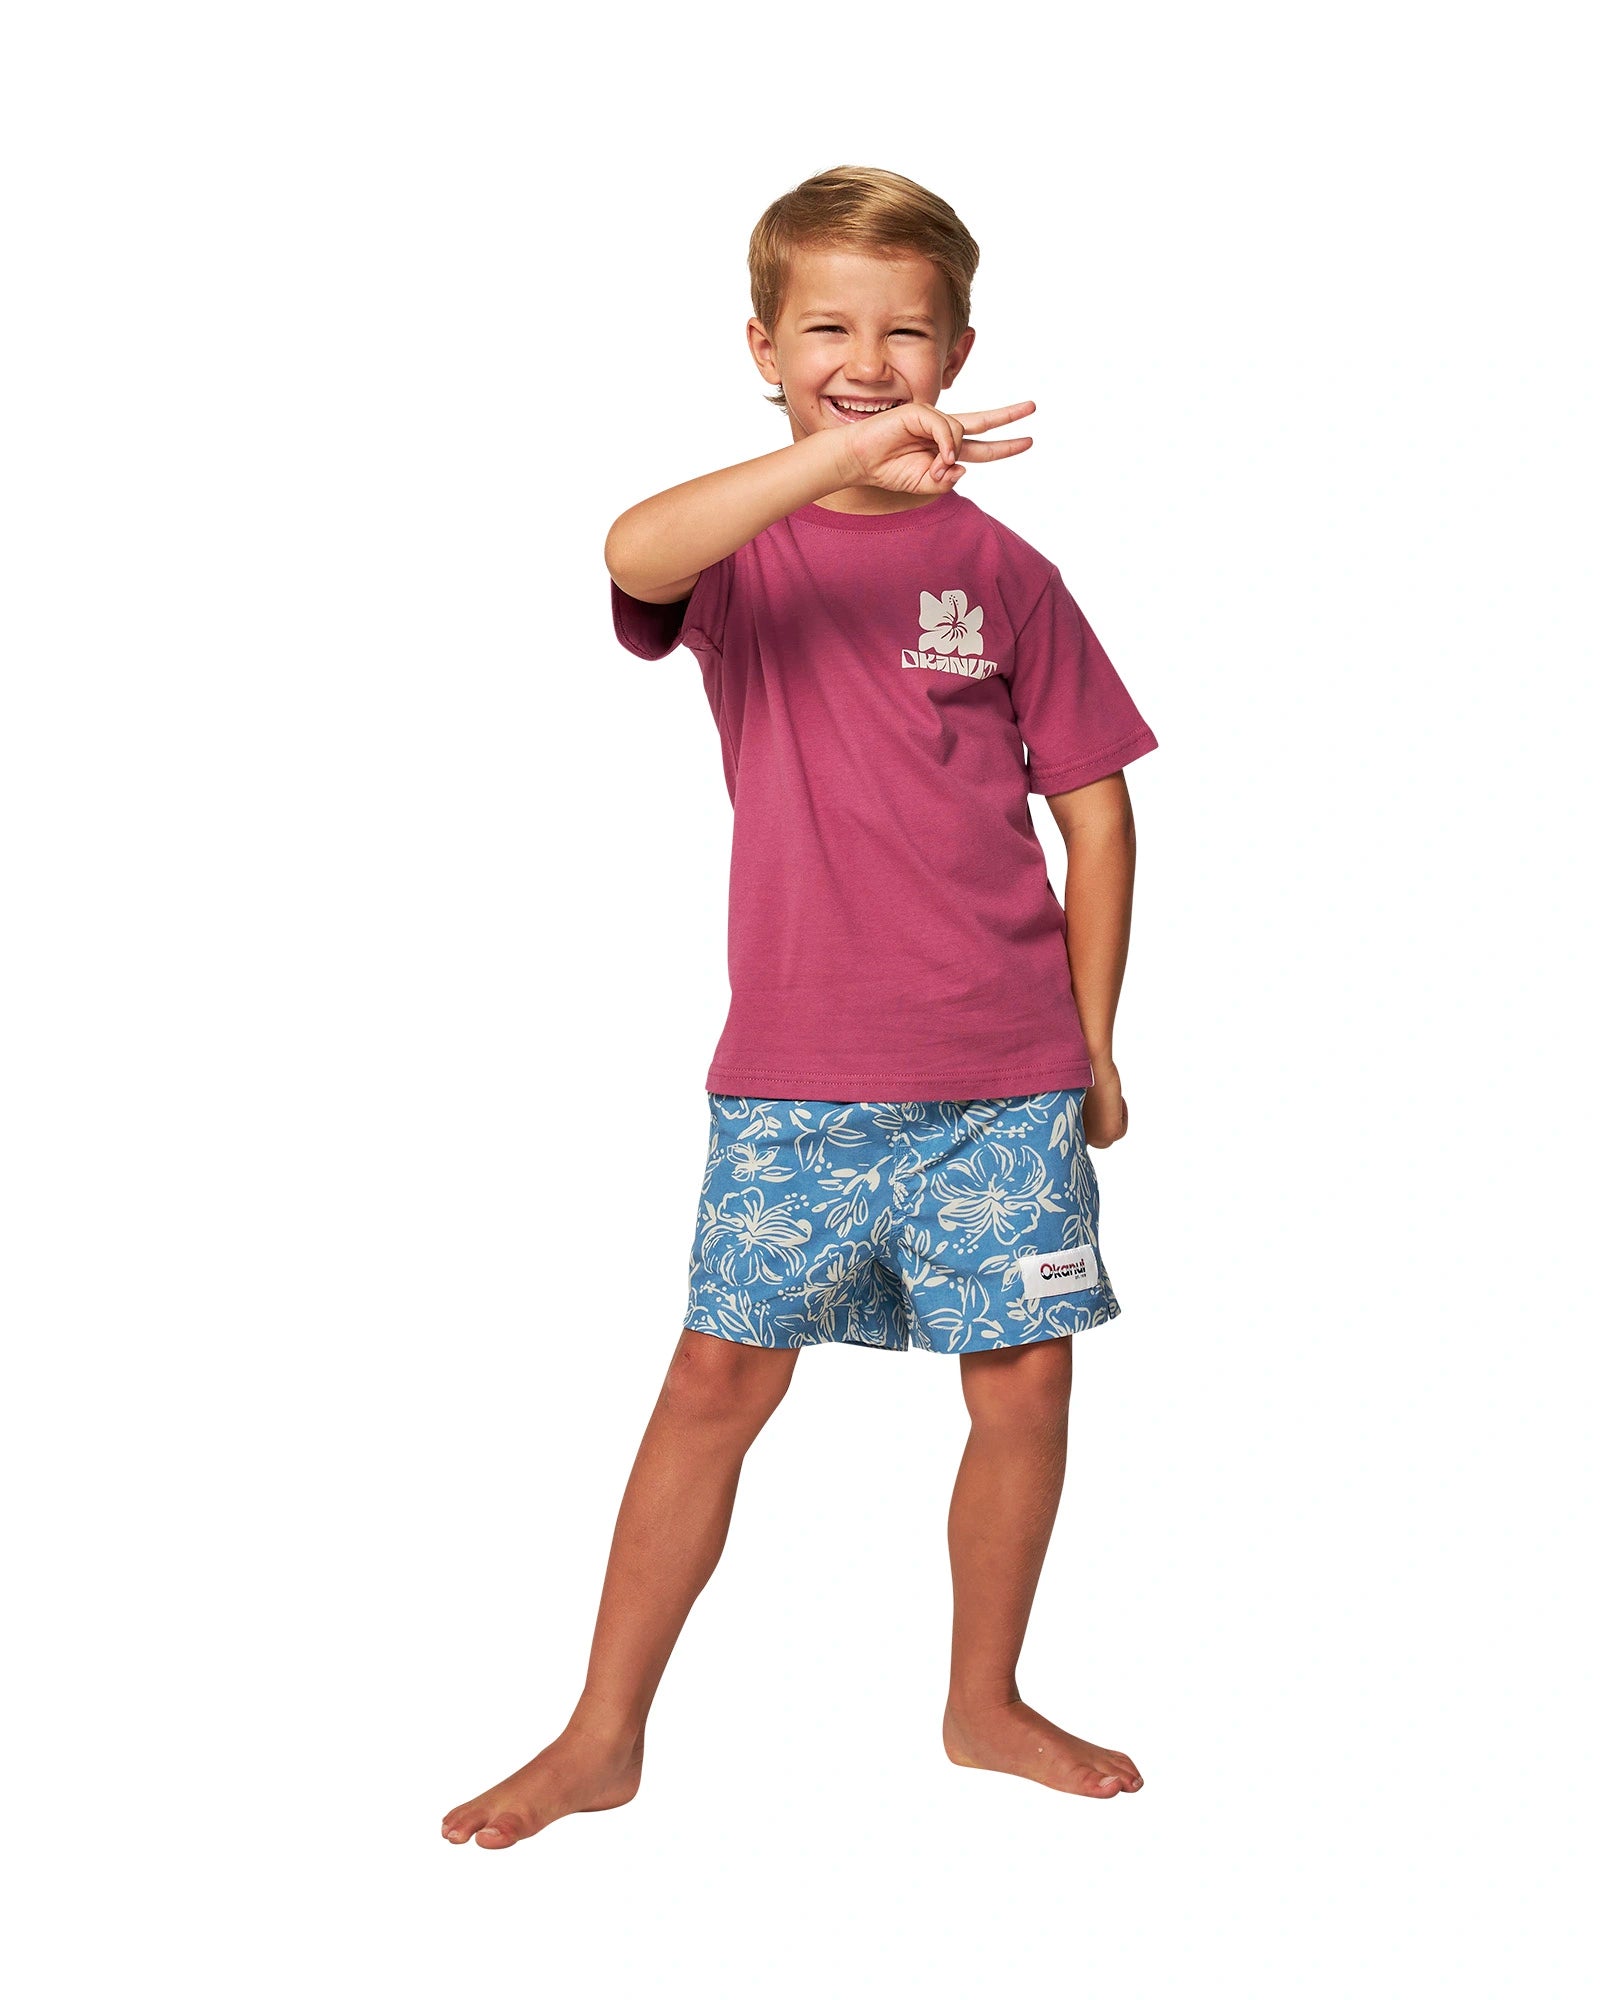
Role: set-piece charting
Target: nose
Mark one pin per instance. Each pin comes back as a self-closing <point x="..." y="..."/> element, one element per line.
<point x="869" y="363"/>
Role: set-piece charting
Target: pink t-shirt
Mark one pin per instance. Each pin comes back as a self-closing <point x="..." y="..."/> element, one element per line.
<point x="892" y="931"/>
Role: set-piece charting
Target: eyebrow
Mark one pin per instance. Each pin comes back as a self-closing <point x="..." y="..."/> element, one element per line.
<point x="839" y="312"/>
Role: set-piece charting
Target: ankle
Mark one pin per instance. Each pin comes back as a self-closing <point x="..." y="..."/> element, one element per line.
<point x="980" y="1697"/>
<point x="606" y="1721"/>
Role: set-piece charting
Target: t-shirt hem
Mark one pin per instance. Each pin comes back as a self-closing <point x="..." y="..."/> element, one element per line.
<point x="1087" y="770"/>
<point x="732" y="1079"/>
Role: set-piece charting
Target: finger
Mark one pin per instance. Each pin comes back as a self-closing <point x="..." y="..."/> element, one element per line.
<point x="935" y="425"/>
<point x="985" y="420"/>
<point x="982" y="448"/>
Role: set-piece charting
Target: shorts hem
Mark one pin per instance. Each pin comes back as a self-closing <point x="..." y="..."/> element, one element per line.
<point x="912" y="1345"/>
<point x="691" y="1325"/>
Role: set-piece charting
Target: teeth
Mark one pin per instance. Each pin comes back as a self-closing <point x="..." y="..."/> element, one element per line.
<point x="865" y="409"/>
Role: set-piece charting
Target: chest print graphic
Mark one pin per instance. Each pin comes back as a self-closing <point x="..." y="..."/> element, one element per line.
<point x="951" y="636"/>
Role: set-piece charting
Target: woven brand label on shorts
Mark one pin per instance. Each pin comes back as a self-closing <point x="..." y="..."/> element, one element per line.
<point x="1059" y="1271"/>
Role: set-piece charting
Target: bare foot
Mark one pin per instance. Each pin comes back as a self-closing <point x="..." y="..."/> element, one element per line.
<point x="583" y="1770"/>
<point x="1017" y="1739"/>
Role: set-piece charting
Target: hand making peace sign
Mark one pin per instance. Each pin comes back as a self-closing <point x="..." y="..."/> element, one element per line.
<point x="913" y="448"/>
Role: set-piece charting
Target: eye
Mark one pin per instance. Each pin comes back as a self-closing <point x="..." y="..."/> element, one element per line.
<point x="915" y="332"/>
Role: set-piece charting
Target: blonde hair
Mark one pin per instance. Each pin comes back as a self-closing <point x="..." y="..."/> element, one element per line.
<point x="859" y="208"/>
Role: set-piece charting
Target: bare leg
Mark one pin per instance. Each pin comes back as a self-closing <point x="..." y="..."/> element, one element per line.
<point x="1001" y="1514"/>
<point x="670" y="1532"/>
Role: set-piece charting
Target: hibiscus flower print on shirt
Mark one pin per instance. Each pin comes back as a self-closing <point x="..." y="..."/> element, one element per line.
<point x="951" y="634"/>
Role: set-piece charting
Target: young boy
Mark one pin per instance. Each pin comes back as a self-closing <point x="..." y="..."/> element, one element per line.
<point x="914" y="1054"/>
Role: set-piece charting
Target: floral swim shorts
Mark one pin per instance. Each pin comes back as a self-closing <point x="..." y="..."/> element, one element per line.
<point x="952" y="1225"/>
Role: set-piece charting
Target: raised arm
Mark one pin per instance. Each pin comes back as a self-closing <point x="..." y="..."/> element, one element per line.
<point x="1096" y="821"/>
<point x="657" y="549"/>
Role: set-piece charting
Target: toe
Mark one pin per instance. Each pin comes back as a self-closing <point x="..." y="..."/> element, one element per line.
<point x="502" y="1831"/>
<point x="462" y="1824"/>
<point x="1129" y="1770"/>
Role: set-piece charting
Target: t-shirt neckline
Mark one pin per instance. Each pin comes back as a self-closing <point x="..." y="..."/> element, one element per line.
<point x="896" y="521"/>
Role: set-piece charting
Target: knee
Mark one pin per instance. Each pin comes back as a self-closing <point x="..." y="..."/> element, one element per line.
<point x="1022" y="1390"/>
<point x="719" y="1382"/>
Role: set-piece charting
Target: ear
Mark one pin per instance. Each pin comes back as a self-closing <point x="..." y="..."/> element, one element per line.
<point x="957" y="356"/>
<point x="766" y="354"/>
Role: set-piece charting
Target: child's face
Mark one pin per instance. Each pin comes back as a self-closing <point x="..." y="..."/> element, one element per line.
<point x="858" y="329"/>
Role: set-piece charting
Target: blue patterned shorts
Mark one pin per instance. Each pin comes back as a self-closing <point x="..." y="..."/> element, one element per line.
<point x="955" y="1224"/>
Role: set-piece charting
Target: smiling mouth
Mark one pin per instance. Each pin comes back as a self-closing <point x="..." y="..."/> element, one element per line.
<point x="855" y="409"/>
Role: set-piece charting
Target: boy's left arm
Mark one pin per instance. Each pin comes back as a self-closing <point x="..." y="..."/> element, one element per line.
<point x="1096" y="822"/>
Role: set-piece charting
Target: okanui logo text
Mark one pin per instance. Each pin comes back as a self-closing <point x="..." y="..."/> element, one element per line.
<point x="952" y="637"/>
<point x="1074" y="1268"/>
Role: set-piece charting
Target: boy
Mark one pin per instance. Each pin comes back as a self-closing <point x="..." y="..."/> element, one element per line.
<point x="913" y="1057"/>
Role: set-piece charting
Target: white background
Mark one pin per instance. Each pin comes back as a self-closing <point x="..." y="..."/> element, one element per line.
<point x="364" y="925"/>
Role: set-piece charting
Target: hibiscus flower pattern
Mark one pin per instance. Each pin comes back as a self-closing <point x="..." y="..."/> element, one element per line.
<point x="994" y="1190"/>
<point x="746" y="1237"/>
<point x="892" y="1225"/>
<point x="948" y="626"/>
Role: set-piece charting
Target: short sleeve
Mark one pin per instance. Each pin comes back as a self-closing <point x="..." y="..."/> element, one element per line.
<point x="1075" y="716"/>
<point x="653" y="630"/>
